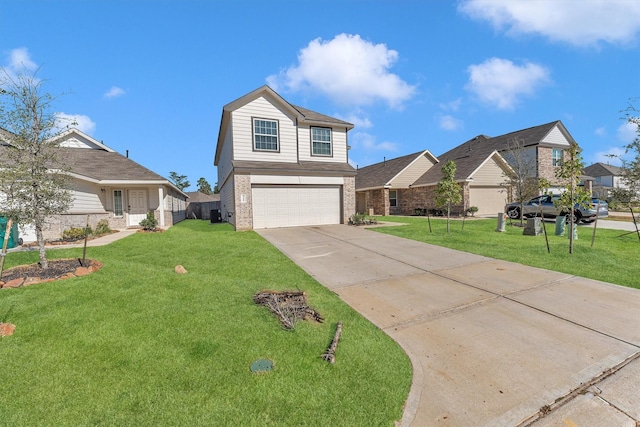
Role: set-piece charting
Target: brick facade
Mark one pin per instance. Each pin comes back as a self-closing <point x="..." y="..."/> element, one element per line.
<point x="243" y="215"/>
<point x="348" y="198"/>
<point x="545" y="165"/>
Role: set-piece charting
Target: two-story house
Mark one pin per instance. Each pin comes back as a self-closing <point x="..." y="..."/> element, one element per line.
<point x="280" y="165"/>
<point x="606" y="177"/>
<point x="482" y="172"/>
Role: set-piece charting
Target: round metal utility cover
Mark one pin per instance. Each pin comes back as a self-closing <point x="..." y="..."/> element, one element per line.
<point x="262" y="365"/>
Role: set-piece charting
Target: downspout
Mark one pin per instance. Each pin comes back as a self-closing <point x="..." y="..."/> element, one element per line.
<point x="298" y="142"/>
<point x="161" y="205"/>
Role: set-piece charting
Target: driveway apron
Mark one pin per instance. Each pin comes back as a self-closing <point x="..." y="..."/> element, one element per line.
<point x="491" y="342"/>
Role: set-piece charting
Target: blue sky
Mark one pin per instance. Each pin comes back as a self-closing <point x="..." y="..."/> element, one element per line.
<point x="152" y="77"/>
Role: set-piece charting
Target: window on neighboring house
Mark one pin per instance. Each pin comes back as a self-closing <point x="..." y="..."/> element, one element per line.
<point x="393" y="198"/>
<point x="321" y="141"/>
<point x="556" y="157"/>
<point x="265" y="135"/>
<point x="117" y="202"/>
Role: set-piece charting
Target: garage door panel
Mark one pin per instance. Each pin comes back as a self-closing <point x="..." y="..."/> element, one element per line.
<point x="290" y="206"/>
<point x="489" y="200"/>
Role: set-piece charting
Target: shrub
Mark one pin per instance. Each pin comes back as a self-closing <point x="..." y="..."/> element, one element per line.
<point x="472" y="210"/>
<point x="75" y="233"/>
<point x="102" y="227"/>
<point x="150" y="223"/>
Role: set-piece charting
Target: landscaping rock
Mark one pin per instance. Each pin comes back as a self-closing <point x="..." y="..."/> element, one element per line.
<point x="31" y="281"/>
<point x="180" y="269"/>
<point x="15" y="283"/>
<point x="6" y="329"/>
<point x="82" y="271"/>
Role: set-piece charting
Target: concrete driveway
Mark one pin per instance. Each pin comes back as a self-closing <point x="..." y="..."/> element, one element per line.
<point x="491" y="342"/>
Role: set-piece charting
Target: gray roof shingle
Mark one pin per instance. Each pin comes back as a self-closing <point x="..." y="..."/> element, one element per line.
<point x="601" y="169"/>
<point x="379" y="174"/>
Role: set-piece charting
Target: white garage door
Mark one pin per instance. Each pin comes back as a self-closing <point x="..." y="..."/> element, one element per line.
<point x="489" y="200"/>
<point x="290" y="206"/>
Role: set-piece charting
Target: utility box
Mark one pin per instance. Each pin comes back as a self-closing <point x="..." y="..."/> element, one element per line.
<point x="560" y="222"/>
<point x="215" y="216"/>
<point x="533" y="228"/>
<point x="13" y="233"/>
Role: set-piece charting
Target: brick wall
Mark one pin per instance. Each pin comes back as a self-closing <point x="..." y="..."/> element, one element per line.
<point x="243" y="215"/>
<point x="348" y="198"/>
<point x="545" y="165"/>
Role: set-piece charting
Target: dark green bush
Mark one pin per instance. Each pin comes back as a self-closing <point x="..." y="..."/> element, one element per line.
<point x="150" y="223"/>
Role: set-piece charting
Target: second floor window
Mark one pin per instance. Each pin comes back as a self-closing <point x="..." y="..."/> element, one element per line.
<point x="265" y="135"/>
<point x="556" y="157"/>
<point x="321" y="141"/>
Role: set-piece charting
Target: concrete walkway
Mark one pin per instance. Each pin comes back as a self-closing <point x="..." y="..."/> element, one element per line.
<point x="491" y="342"/>
<point x="100" y="241"/>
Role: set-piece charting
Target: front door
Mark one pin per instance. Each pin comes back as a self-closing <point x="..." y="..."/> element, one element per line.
<point x="137" y="207"/>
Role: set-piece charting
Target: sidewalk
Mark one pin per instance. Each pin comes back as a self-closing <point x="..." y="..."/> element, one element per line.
<point x="100" y="241"/>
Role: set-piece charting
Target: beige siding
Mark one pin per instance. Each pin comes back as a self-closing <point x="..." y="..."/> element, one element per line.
<point x="414" y="171"/>
<point x="226" y="156"/>
<point x="227" y="198"/>
<point x="339" y="141"/>
<point x="87" y="198"/>
<point x="489" y="174"/>
<point x="556" y="137"/>
<point x="242" y="125"/>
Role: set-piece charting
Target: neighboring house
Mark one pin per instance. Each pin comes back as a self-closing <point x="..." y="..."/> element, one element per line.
<point x="482" y="171"/>
<point x="281" y="165"/>
<point x="380" y="187"/>
<point x="200" y="205"/>
<point x="605" y="178"/>
<point x="107" y="185"/>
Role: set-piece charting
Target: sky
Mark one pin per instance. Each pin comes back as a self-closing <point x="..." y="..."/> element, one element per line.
<point x="152" y="77"/>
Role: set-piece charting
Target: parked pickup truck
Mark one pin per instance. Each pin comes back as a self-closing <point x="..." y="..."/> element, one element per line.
<point x="550" y="210"/>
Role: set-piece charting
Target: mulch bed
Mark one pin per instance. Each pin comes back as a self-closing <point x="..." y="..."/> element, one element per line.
<point x="31" y="274"/>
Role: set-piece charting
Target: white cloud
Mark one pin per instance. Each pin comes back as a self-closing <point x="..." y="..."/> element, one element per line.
<point x="357" y="118"/>
<point x="452" y="105"/>
<point x="366" y="141"/>
<point x="114" y="92"/>
<point x="577" y="22"/>
<point x="450" y="123"/>
<point x="610" y="156"/>
<point x="501" y="82"/>
<point x="20" y="59"/>
<point x="601" y="131"/>
<point x="349" y="70"/>
<point x="627" y="132"/>
<point x="78" y="121"/>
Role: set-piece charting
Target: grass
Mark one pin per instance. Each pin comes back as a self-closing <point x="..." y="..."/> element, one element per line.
<point x="613" y="258"/>
<point x="137" y="344"/>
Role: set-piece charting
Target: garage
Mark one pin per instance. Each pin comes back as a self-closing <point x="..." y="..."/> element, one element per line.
<point x="489" y="200"/>
<point x="295" y="205"/>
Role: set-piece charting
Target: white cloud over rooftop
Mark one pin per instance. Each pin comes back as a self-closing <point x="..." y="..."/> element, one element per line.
<point x="502" y="83"/>
<point x="349" y="70"/>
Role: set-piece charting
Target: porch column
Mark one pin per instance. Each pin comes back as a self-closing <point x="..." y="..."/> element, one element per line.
<point x="161" y="205"/>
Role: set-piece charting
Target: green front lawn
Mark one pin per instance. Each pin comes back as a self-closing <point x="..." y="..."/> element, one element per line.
<point x="137" y="344"/>
<point x="613" y="258"/>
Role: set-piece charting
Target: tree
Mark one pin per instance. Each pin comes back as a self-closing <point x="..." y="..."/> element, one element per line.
<point x="569" y="175"/>
<point x="448" y="192"/>
<point x="631" y="167"/>
<point x="204" y="186"/>
<point x="523" y="180"/>
<point x="216" y="190"/>
<point x="180" y="181"/>
<point x="33" y="175"/>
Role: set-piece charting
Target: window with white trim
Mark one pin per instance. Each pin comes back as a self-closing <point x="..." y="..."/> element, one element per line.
<point x="117" y="202"/>
<point x="321" y="141"/>
<point x="393" y="198"/>
<point x="556" y="157"/>
<point x="265" y="135"/>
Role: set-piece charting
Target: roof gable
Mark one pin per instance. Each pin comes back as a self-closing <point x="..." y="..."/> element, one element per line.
<point x="601" y="169"/>
<point x="382" y="174"/>
<point x="303" y="115"/>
